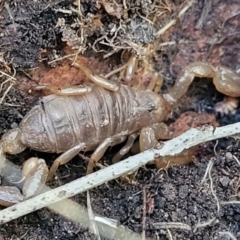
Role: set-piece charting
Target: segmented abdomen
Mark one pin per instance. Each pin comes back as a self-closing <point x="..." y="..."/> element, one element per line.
<point x="90" y="118"/>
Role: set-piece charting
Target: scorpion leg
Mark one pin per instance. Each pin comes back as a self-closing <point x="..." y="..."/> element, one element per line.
<point x="35" y="172"/>
<point x="156" y="79"/>
<point x="155" y="83"/>
<point x="149" y="135"/>
<point x="148" y="139"/>
<point x="99" y="80"/>
<point x="68" y="91"/>
<point x="10" y="195"/>
<point x="101" y="149"/>
<point x="64" y="158"/>
<point x="224" y="79"/>
<point x="126" y="148"/>
<point x="131" y="67"/>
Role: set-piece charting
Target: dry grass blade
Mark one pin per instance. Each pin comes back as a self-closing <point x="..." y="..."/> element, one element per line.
<point x="229" y="234"/>
<point x="231" y="202"/>
<point x="174" y="21"/>
<point x="93" y="226"/>
<point x="206" y="223"/>
<point x="11" y="80"/>
<point x="172" y="225"/>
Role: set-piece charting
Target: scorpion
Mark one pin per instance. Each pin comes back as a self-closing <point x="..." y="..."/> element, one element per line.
<point x="76" y="119"/>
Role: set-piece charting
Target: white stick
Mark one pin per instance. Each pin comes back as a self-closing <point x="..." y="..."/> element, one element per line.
<point x="175" y="146"/>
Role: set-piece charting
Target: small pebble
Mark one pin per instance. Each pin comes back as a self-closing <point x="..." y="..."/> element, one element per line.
<point x="228" y="155"/>
<point x="224" y="181"/>
<point x="14" y="125"/>
<point x="183" y="191"/>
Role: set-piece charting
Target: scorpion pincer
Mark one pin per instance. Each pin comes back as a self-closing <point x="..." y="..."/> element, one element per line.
<point x="84" y="119"/>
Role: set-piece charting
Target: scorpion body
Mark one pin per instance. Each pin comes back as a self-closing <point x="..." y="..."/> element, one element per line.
<point x="59" y="123"/>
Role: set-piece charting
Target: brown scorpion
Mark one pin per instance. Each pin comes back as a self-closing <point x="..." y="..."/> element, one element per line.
<point x="91" y="119"/>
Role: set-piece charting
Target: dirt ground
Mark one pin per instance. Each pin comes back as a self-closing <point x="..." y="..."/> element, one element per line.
<point x="34" y="38"/>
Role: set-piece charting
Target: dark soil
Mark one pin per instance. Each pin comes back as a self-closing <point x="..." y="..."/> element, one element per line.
<point x="32" y="33"/>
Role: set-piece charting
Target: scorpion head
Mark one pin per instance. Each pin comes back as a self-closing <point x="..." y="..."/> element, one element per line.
<point x="151" y="108"/>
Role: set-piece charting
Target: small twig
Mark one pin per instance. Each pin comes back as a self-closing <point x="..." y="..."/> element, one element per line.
<point x="66" y="11"/>
<point x="238" y="162"/>
<point x="116" y="71"/>
<point x="61" y="58"/>
<point x="10" y="79"/>
<point x="3" y="83"/>
<point x="169" y="234"/>
<point x="12" y="105"/>
<point x="79" y="8"/>
<point x="144" y="213"/>
<point x="232" y="16"/>
<point x="231" y="202"/>
<point x="10" y="15"/>
<point x="146" y="19"/>
<point x="164" y="6"/>
<point x="215" y="42"/>
<point x="110" y="53"/>
<point x="228" y="234"/>
<point x="209" y="166"/>
<point x="213" y="193"/>
<point x="93" y="226"/>
<point x="172" y="225"/>
<point x="205" y="11"/>
<point x="174" y="21"/>
<point x="204" y="224"/>
<point x="124" y="5"/>
<point x="215" y="148"/>
<point x="208" y="172"/>
<point x="23" y="236"/>
<point x="95" y="43"/>
<point x="116" y="32"/>
<point x="6" y="92"/>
